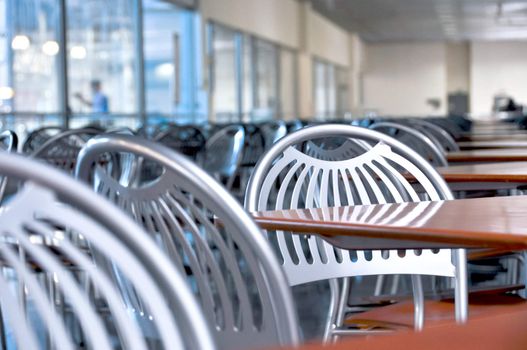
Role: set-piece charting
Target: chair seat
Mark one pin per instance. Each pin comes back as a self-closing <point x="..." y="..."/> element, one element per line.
<point x="437" y="312"/>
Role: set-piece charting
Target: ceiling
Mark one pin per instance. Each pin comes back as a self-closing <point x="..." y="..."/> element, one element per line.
<point x="416" y="20"/>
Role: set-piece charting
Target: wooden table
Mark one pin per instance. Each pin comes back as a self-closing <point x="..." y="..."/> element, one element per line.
<point x="505" y="331"/>
<point x="492" y="144"/>
<point x="492" y="155"/>
<point x="498" y="222"/>
<point x="495" y="137"/>
<point x="515" y="172"/>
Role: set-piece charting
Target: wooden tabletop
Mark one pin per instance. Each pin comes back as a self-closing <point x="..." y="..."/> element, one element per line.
<point x="498" y="222"/>
<point x="490" y="144"/>
<point x="514" y="172"/>
<point x="491" y="155"/>
<point x="505" y="331"/>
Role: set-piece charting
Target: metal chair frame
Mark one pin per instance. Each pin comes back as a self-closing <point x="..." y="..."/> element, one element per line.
<point x="181" y="209"/>
<point x="425" y="146"/>
<point x="41" y="227"/>
<point x="62" y="149"/>
<point x="309" y="258"/>
<point x="37" y="136"/>
<point x="224" y="172"/>
<point x="446" y="141"/>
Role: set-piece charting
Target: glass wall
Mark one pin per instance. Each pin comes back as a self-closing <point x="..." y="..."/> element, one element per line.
<point x="288" y="85"/>
<point x="224" y="74"/>
<point x="266" y="80"/>
<point x="171" y="59"/>
<point x="330" y="90"/>
<point x="252" y="79"/>
<point x="101" y="65"/>
<point x="101" y="60"/>
<point x="29" y="63"/>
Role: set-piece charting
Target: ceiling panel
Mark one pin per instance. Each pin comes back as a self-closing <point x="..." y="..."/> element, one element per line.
<point x="415" y="20"/>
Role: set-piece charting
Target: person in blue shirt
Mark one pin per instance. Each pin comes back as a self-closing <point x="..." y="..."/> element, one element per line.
<point x="99" y="102"/>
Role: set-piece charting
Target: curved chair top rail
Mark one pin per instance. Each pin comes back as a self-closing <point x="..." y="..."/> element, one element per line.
<point x="224" y="151"/>
<point x="37" y="137"/>
<point x="187" y="139"/>
<point x="62" y="149"/>
<point x="64" y="135"/>
<point x="334" y="130"/>
<point x="191" y="198"/>
<point x="9" y="139"/>
<point x="446" y="140"/>
<point x="273" y="131"/>
<point x="436" y="155"/>
<point x="294" y="125"/>
<point x="47" y="221"/>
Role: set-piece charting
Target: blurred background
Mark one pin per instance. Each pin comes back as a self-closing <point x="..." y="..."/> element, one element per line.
<point x="130" y="62"/>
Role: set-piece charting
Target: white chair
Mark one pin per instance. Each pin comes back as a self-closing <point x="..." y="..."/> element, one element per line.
<point x="289" y="178"/>
<point x="428" y="147"/>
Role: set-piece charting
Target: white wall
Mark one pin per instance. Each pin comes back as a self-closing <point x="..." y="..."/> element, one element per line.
<point x="399" y="78"/>
<point x="275" y="20"/>
<point x="497" y="67"/>
<point x="458" y="67"/>
<point x="326" y="40"/>
<point x="293" y="24"/>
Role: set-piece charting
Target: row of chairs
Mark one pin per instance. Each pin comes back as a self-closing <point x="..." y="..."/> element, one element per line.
<point x="211" y="242"/>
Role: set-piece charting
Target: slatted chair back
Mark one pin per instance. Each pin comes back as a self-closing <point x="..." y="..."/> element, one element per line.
<point x="294" y="125"/>
<point x="446" y="141"/>
<point x="186" y="139"/>
<point x="38" y="137"/>
<point x="72" y="257"/>
<point x="421" y="143"/>
<point x="288" y="178"/>
<point x="272" y="132"/>
<point x="8" y="143"/>
<point x="62" y="149"/>
<point x="208" y="236"/>
<point x="223" y="154"/>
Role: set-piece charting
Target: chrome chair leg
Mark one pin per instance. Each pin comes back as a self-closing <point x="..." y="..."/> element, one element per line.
<point x="333" y="309"/>
<point x="523" y="274"/>
<point x="342" y="306"/>
<point x="379" y="285"/>
<point x="461" y="286"/>
<point x="419" y="303"/>
<point x="395" y="284"/>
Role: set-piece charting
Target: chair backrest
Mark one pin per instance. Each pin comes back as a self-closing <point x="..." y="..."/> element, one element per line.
<point x="37" y="138"/>
<point x="209" y="236"/>
<point x="223" y="153"/>
<point x="62" y="149"/>
<point x="294" y="125"/>
<point x="445" y="140"/>
<point x="273" y="131"/>
<point x="254" y="145"/>
<point x="415" y="139"/>
<point x="62" y="242"/>
<point x="8" y="143"/>
<point x="288" y="178"/>
<point x="186" y="139"/>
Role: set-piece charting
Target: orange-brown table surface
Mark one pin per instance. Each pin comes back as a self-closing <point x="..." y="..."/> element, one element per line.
<point x="490" y="144"/>
<point x="506" y="331"/>
<point x="497" y="222"/>
<point x="486" y="172"/>
<point x="489" y="155"/>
